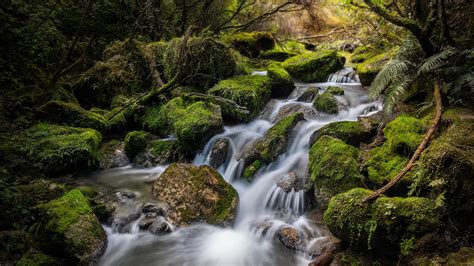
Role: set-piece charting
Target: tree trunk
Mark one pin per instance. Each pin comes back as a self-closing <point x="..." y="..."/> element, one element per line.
<point x="419" y="150"/>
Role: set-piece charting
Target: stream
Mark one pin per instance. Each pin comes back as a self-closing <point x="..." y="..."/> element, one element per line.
<point x="264" y="206"/>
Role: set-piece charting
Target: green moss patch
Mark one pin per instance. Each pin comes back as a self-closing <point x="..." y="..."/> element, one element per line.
<point x="135" y="142"/>
<point x="372" y="66"/>
<point x="251" y="44"/>
<point x="404" y="134"/>
<point x="281" y="82"/>
<point x="334" y="90"/>
<point x="314" y="67"/>
<point x="327" y="103"/>
<point x="351" y="132"/>
<point x="383" y="165"/>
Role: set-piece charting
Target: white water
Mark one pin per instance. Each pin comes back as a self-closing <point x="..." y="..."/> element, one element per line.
<point x="264" y="207"/>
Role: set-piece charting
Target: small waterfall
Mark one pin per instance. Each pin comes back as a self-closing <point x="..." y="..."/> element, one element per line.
<point x="287" y="196"/>
<point x="345" y="75"/>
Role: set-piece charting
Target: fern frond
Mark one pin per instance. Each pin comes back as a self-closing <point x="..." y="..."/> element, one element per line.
<point x="465" y="81"/>
<point x="395" y="69"/>
<point x="436" y="61"/>
<point x="396" y="93"/>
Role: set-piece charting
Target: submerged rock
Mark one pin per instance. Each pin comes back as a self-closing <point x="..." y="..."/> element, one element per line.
<point x="196" y="193"/>
<point x="219" y="152"/>
<point x="71" y="227"/>
<point x="313" y="67"/>
<point x="290" y="237"/>
<point x="308" y="95"/>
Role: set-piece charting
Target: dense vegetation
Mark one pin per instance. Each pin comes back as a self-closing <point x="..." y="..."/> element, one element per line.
<point x="80" y="79"/>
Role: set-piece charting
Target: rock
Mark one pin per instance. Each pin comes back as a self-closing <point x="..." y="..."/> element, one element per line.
<point x="334" y="90"/>
<point x="279" y="56"/>
<point x="51" y="149"/>
<point x="150" y="208"/>
<point x="72" y="115"/>
<point x="158" y="152"/>
<point x="219" y="152"/>
<point x="113" y="155"/>
<point x="351" y="132"/>
<point x="135" y="142"/>
<point x="196" y="193"/>
<point x="281" y="82"/>
<point x="313" y="67"/>
<point x="71" y="227"/>
<point x="289" y="237"/>
<point x="327" y="103"/>
<point x="293" y="108"/>
<point x="465" y="256"/>
<point x="308" y="95"/>
<point x="251" y="44"/>
<point x="384" y="225"/>
<point x="268" y="148"/>
<point x="291" y="182"/>
<point x="160" y="226"/>
<point x="370" y="67"/>
<point x="37" y="258"/>
<point x="145" y="223"/>
<point x="125" y="195"/>
<point x="333" y="167"/>
<point x="404" y="134"/>
<point x="250" y="91"/>
<point x="204" y="55"/>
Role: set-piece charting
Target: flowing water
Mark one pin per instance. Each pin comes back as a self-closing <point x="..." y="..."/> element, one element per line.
<point x="264" y="208"/>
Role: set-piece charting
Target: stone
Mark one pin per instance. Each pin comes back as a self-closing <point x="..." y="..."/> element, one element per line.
<point x="220" y="152"/>
<point x="289" y="237"/>
<point x="308" y="95"/>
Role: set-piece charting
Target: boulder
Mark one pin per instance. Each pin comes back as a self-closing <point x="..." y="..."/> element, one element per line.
<point x="291" y="182"/>
<point x="294" y="108"/>
<point x="274" y="55"/>
<point x="308" y="95"/>
<point x="195" y="194"/>
<point x="251" y="44"/>
<point x="333" y="168"/>
<point x="158" y="152"/>
<point x="290" y="237"/>
<point x="351" y="132"/>
<point x="334" y="90"/>
<point x="112" y="154"/>
<point x="36" y="258"/>
<point x="250" y="91"/>
<point x="370" y="67"/>
<point x="72" y="115"/>
<point x="220" y="152"/>
<point x="71" y="227"/>
<point x="135" y="142"/>
<point x="385" y="225"/>
<point x="327" y="103"/>
<point x="314" y="66"/>
<point x="404" y="134"/>
<point x="281" y="82"/>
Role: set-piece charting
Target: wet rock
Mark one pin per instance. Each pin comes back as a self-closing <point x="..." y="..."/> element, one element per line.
<point x="145" y="223"/>
<point x="160" y="226"/>
<point x="308" y="95"/>
<point x="150" y="208"/>
<point x="315" y="66"/>
<point x="289" y="237"/>
<point x="196" y="193"/>
<point x="158" y="152"/>
<point x="219" y="152"/>
<point x="291" y="182"/>
<point x="324" y="244"/>
<point x="113" y="155"/>
<point x="327" y="103"/>
<point x="281" y="82"/>
<point x="125" y="195"/>
<point x="293" y="108"/>
<point x="351" y="132"/>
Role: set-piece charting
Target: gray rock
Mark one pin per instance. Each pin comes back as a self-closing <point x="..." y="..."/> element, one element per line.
<point x="291" y="182"/>
<point x="290" y="237"/>
<point x="150" y="208"/>
<point x="308" y="95"/>
<point x="113" y="155"/>
<point x="293" y="108"/>
<point x="220" y="152"/>
<point x="160" y="226"/>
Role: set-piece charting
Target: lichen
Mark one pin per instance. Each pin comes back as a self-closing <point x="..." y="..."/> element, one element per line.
<point x="313" y="67"/>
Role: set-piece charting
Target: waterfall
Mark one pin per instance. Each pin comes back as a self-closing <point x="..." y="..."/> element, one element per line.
<point x="345" y="75"/>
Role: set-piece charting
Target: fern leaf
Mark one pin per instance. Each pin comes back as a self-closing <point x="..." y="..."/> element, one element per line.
<point x="396" y="93"/>
<point x="436" y="61"/>
<point x="392" y="71"/>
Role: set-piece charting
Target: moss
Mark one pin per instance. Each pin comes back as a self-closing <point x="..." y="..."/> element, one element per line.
<point x="51" y="148"/>
<point x="404" y="134"/>
<point x="281" y="82"/>
<point x="382" y="165"/>
<point x="275" y="55"/>
<point x="333" y="167"/>
<point x="36" y="258"/>
<point x="163" y="147"/>
<point x="71" y="226"/>
<point x="154" y="120"/>
<point x="327" y="103"/>
<point x="351" y="132"/>
<point x="313" y="67"/>
<point x="251" y="44"/>
<point x="117" y="119"/>
<point x="383" y="225"/>
<point x="252" y="169"/>
<point x="372" y="66"/>
<point x="154" y="53"/>
<point x="73" y="115"/>
<point x="206" y="56"/>
<point x="135" y="142"/>
<point x="465" y="256"/>
<point x="334" y="90"/>
<point x="251" y="91"/>
<point x="406" y="246"/>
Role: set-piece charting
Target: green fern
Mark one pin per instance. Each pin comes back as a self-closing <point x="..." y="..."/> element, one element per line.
<point x="389" y="74"/>
<point x="437" y="61"/>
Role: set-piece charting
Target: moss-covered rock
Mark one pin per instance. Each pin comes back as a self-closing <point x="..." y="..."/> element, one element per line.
<point x="333" y="168"/>
<point x="36" y="258"/>
<point x="251" y="44"/>
<point x="71" y="228"/>
<point x="404" y="134"/>
<point x="159" y="152"/>
<point x="112" y="154"/>
<point x="464" y="257"/>
<point x="135" y="142"/>
<point x="382" y="164"/>
<point x="383" y="225"/>
<point x="351" y="132"/>
<point x="205" y="56"/>
<point x="315" y="66"/>
<point x="251" y="91"/>
<point x="52" y="148"/>
<point x="281" y="82"/>
<point x="72" y="115"/>
<point x="369" y="68"/>
<point x="268" y="148"/>
<point x="327" y="103"/>
<point x="276" y="55"/>
<point x="196" y="193"/>
<point x="334" y="90"/>
<point x="123" y="70"/>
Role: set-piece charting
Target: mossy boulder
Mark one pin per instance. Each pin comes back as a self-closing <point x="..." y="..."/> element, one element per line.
<point x="251" y="91"/>
<point x="123" y="70"/>
<point x="382" y="164"/>
<point x="315" y="66"/>
<point x="72" y="115"/>
<point x="135" y="142"/>
<point x="281" y="82"/>
<point x="36" y="258"/>
<point x="334" y="90"/>
<point x="268" y="148"/>
<point x="196" y="194"/>
<point x="159" y="152"/>
<point x="404" y="134"/>
<point x="385" y="225"/>
<point x="276" y="55"/>
<point x="333" y="168"/>
<point x="351" y="132"/>
<point x="209" y="58"/>
<point x="465" y="257"/>
<point x="52" y="149"/>
<point x="369" y="68"/>
<point x="327" y="103"/>
<point x="251" y="44"/>
<point x="71" y="228"/>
